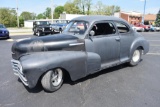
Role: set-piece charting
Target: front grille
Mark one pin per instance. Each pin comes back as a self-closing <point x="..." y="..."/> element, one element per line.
<point x="47" y="29"/>
<point x="16" y="65"/>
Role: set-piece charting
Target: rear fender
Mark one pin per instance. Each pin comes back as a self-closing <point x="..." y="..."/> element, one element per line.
<point x="139" y="42"/>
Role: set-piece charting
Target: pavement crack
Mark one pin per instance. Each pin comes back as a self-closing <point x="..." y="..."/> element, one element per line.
<point x="83" y="89"/>
<point x="4" y="84"/>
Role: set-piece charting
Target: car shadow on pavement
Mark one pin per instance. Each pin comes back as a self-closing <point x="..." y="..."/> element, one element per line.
<point x="38" y="88"/>
<point x="91" y="76"/>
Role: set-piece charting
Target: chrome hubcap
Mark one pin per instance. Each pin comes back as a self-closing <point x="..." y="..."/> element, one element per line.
<point x="38" y="33"/>
<point x="56" y="77"/>
<point x="136" y="55"/>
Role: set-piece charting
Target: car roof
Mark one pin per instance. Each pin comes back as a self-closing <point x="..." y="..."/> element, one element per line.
<point x="94" y="18"/>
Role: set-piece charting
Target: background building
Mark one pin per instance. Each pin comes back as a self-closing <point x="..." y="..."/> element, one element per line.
<point x="150" y="19"/>
<point x="131" y="17"/>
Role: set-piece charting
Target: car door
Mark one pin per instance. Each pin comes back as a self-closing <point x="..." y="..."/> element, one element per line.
<point x="105" y="42"/>
<point x="127" y="37"/>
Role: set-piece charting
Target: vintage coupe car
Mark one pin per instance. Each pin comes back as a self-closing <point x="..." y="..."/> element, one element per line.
<point x="88" y="45"/>
<point x="4" y="33"/>
<point x="41" y="28"/>
<point x="59" y="26"/>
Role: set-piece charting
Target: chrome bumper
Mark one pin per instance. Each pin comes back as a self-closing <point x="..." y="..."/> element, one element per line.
<point x="17" y="68"/>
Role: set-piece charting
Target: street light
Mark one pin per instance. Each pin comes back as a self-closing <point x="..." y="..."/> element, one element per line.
<point x="17" y="15"/>
<point x="144" y="11"/>
<point x="52" y="10"/>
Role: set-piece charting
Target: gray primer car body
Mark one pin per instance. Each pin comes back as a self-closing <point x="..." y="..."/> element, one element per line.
<point x="79" y="56"/>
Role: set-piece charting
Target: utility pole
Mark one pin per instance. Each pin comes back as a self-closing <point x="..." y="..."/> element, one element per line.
<point x="144" y="11"/>
<point x="52" y="10"/>
<point x="17" y="15"/>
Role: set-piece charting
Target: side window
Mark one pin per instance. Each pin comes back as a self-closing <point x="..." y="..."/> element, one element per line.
<point x="103" y="29"/>
<point x="122" y="28"/>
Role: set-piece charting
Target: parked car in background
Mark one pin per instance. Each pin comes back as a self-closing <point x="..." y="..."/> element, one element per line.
<point x="146" y="27"/>
<point x="59" y="26"/>
<point x="41" y="28"/>
<point x="4" y="33"/>
<point x="138" y="29"/>
<point x="152" y="28"/>
<point x="157" y="28"/>
<point x="87" y="45"/>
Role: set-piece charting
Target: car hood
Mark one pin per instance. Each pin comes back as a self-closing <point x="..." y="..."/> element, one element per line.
<point x="3" y="29"/>
<point x="41" y="44"/>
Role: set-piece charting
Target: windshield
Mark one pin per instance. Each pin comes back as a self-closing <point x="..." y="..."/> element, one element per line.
<point x="43" y="23"/>
<point x="2" y="26"/>
<point x="76" y="27"/>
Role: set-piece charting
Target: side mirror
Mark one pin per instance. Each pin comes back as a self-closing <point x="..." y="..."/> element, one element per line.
<point x="91" y="33"/>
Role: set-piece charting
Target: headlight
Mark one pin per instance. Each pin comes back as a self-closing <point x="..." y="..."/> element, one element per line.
<point x="50" y="28"/>
<point x="43" y="29"/>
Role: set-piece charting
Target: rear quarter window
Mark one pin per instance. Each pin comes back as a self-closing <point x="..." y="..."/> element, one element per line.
<point x="122" y="28"/>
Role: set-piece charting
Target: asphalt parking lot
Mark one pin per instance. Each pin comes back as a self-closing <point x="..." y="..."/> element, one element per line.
<point x="120" y="86"/>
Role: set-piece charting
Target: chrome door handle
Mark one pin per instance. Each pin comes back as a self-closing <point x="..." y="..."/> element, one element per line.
<point x="117" y="39"/>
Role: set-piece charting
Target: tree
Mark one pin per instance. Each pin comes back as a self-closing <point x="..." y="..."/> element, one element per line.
<point x="71" y="8"/>
<point x="102" y="9"/>
<point x="99" y="8"/>
<point x="21" y="21"/>
<point x="26" y="15"/>
<point x="158" y="19"/>
<point x="8" y="17"/>
<point x="47" y="13"/>
<point x="40" y="16"/>
<point x="58" y="10"/>
<point x="81" y="5"/>
<point x="88" y="6"/>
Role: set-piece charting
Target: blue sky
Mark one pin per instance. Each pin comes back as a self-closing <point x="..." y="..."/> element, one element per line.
<point x="38" y="6"/>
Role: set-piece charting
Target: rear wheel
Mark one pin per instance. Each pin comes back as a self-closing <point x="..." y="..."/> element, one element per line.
<point x="136" y="57"/>
<point x="52" y="80"/>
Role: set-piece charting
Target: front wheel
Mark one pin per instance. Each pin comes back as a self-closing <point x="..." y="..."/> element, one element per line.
<point x="52" y="80"/>
<point x="60" y="30"/>
<point x="34" y="32"/>
<point x="136" y="57"/>
<point x="39" y="33"/>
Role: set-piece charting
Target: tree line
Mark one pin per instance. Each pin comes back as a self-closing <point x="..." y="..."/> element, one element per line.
<point x="8" y="16"/>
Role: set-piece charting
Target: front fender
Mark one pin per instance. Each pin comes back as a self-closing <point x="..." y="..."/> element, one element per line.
<point x="36" y="64"/>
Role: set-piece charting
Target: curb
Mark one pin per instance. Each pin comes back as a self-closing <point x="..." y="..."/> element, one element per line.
<point x="21" y="34"/>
